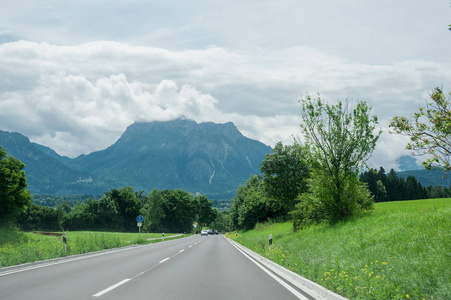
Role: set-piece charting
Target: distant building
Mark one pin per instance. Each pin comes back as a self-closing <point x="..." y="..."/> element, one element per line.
<point x="89" y="179"/>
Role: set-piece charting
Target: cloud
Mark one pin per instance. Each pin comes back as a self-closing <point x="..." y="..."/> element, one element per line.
<point x="77" y="99"/>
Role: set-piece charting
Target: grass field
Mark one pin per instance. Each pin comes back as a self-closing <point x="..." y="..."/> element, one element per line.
<point x="402" y="250"/>
<point x="21" y="247"/>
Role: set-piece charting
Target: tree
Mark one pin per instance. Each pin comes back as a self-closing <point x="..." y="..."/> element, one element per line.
<point x="381" y="195"/>
<point x="284" y="175"/>
<point x="429" y="130"/>
<point x="37" y="217"/>
<point x="339" y="139"/>
<point x="180" y="211"/>
<point x="14" y="198"/>
<point x="206" y="214"/>
<point x="153" y="211"/>
<point x="127" y="204"/>
<point x="250" y="205"/>
<point x="223" y="221"/>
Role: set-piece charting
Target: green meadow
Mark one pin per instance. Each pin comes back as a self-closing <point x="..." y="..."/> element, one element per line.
<point x="22" y="247"/>
<point x="402" y="250"/>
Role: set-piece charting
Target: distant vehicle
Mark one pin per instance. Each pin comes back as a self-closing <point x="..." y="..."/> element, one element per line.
<point x="204" y="232"/>
<point x="216" y="232"/>
<point x="210" y="231"/>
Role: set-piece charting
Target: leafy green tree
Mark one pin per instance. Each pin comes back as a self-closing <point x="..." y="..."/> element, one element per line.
<point x="14" y="198"/>
<point x="339" y="139"/>
<point x="284" y="175"/>
<point x="437" y="191"/>
<point x="180" y="210"/>
<point x="206" y="213"/>
<point x="108" y="216"/>
<point x="223" y="221"/>
<point x="82" y="216"/>
<point x="127" y="205"/>
<point x="153" y="211"/>
<point x="429" y="130"/>
<point x="37" y="217"/>
<point x="250" y="205"/>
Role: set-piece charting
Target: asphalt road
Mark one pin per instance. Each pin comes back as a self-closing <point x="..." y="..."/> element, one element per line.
<point x="190" y="268"/>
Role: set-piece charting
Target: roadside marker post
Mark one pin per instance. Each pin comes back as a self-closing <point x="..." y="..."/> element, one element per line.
<point x="163" y="236"/>
<point x="270" y="241"/>
<point x="65" y="241"/>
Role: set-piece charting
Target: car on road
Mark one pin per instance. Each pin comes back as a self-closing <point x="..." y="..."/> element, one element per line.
<point x="209" y="231"/>
<point x="204" y="232"/>
<point x="215" y="232"/>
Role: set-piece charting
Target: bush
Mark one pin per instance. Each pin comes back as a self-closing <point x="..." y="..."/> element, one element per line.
<point x="320" y="203"/>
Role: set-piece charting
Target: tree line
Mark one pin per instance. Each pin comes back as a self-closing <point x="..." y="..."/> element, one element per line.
<point x="116" y="210"/>
<point x="391" y="187"/>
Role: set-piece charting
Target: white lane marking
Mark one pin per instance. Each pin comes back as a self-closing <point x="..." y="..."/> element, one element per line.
<point x="190" y="246"/>
<point x="181" y="250"/>
<point x="162" y="261"/>
<point x="283" y="283"/>
<point x="63" y="260"/>
<point x="111" y="288"/>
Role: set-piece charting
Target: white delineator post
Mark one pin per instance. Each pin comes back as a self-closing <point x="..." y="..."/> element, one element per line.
<point x="270" y="241"/>
<point x="65" y="241"/>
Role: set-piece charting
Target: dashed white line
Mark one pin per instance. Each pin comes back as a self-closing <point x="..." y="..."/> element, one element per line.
<point x="111" y="288"/>
<point x="162" y="261"/>
<point x="181" y="250"/>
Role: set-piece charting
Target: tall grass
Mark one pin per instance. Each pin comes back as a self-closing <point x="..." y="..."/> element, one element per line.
<point x="402" y="250"/>
<point x="19" y="247"/>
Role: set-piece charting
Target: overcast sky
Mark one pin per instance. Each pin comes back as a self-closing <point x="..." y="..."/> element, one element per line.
<point x="75" y="74"/>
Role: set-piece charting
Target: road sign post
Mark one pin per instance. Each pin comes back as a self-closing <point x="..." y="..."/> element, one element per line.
<point x="140" y="220"/>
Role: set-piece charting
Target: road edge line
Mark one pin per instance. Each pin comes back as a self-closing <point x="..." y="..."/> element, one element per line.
<point x="314" y="289"/>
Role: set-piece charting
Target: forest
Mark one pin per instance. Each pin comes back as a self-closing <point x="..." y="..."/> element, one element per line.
<point x="116" y="210"/>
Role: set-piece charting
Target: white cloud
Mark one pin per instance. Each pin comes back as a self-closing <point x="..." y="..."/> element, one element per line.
<point x="78" y="99"/>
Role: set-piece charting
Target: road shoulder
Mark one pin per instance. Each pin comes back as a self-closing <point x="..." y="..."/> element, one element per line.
<point x="313" y="289"/>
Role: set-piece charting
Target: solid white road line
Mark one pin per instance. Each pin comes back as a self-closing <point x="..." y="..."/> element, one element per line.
<point x="111" y="288"/>
<point x="283" y="283"/>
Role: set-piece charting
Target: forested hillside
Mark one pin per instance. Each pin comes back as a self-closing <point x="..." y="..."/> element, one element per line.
<point x="207" y="158"/>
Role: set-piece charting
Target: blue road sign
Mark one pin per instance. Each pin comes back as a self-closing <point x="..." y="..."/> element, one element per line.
<point x="139" y="218"/>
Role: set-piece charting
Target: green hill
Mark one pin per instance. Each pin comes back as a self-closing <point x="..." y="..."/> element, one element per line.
<point x="402" y="250"/>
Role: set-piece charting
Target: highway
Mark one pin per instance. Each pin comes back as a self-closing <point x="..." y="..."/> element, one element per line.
<point x="190" y="268"/>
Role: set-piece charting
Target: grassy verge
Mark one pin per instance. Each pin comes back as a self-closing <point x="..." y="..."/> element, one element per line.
<point x="20" y="247"/>
<point x="402" y="250"/>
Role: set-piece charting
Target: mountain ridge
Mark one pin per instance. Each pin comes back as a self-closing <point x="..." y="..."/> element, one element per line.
<point x="209" y="158"/>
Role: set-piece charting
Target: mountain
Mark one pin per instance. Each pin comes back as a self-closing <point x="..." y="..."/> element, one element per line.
<point x="408" y="163"/>
<point x="45" y="174"/>
<point x="209" y="158"/>
<point x="50" y="152"/>
<point x="428" y="177"/>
